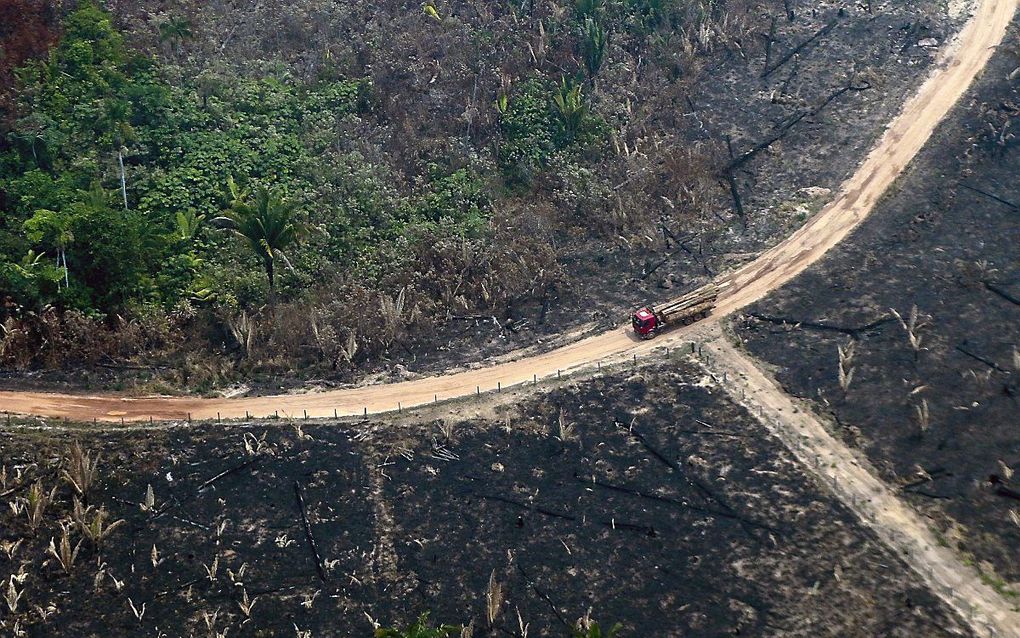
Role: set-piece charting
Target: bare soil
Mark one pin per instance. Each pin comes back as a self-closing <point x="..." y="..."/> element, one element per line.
<point x="946" y="242"/>
<point x="647" y="496"/>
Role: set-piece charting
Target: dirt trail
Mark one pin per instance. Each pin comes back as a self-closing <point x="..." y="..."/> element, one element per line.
<point x="960" y="63"/>
<point x="857" y="485"/>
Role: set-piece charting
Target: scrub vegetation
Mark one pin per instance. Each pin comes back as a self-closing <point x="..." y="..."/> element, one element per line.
<point x="197" y="194"/>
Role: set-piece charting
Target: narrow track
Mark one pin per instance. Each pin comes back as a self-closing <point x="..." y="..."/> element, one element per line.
<point x="960" y="62"/>
<point x="857" y="485"/>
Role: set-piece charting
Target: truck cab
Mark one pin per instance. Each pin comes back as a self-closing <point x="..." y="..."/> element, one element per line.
<point x="645" y="322"/>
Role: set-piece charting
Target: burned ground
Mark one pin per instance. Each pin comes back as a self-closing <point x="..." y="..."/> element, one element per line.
<point x="934" y="402"/>
<point x="644" y="495"/>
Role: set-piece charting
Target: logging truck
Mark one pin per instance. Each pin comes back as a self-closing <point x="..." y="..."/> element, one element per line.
<point x="683" y="310"/>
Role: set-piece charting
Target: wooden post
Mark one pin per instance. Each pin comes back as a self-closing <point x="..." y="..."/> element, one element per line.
<point x="306" y="414"/>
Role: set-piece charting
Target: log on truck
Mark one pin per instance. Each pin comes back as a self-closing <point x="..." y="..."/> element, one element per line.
<point x="683" y="310"/>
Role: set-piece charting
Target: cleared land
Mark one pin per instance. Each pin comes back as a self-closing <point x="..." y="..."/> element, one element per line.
<point x="647" y="496"/>
<point x="933" y="400"/>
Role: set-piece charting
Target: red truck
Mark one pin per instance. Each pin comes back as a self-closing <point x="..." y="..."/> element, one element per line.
<point x="683" y="310"/>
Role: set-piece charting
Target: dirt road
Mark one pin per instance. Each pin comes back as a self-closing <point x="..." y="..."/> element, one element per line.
<point x="856" y="484"/>
<point x="960" y="63"/>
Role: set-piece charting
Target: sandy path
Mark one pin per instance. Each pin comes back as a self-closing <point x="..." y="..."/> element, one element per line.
<point x="960" y="63"/>
<point x="857" y="486"/>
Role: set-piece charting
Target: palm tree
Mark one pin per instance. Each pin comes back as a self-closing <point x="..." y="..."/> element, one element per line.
<point x="269" y="225"/>
<point x="115" y="119"/>
<point x="175" y="31"/>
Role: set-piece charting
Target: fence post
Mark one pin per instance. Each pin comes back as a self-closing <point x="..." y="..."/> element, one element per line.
<point x="246" y="417"/>
<point x="478" y="390"/>
<point x="189" y="418"/>
<point x="366" y="410"/>
<point x="150" y="419"/>
<point x="499" y="386"/>
<point x="436" y="397"/>
<point x="399" y="409"/>
<point x="217" y="417"/>
<point x="334" y="413"/>
<point x="306" y="414"/>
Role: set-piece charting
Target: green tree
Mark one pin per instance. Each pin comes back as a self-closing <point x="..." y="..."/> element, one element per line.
<point x="420" y="629"/>
<point x="588" y="628"/>
<point x="570" y="107"/>
<point x="115" y="122"/>
<point x="175" y="31"/>
<point x="53" y="228"/>
<point x="268" y="224"/>
<point x="593" y="46"/>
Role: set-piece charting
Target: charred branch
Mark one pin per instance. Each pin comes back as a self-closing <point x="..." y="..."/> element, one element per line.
<point x="993" y="288"/>
<point x="821" y="33"/>
<point x="234" y="470"/>
<point x="784" y="128"/>
<point x="674" y="501"/>
<point x="544" y="596"/>
<point x="308" y="532"/>
<point x="988" y="362"/>
<point x="853" y="331"/>
<point x="991" y="196"/>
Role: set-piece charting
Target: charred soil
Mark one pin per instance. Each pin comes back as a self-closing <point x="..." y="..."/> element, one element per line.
<point x="934" y="399"/>
<point x="644" y="495"/>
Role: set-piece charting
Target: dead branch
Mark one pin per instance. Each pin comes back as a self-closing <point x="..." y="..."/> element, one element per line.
<point x="225" y="473"/>
<point x="308" y="532"/>
<point x="991" y="364"/>
<point x="800" y="47"/>
<point x="993" y="288"/>
<point x="991" y="196"/>
<point x="673" y="501"/>
<point x="852" y="331"/>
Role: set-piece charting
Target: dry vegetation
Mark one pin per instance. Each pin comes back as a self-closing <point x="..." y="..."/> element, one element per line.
<point x="695" y="133"/>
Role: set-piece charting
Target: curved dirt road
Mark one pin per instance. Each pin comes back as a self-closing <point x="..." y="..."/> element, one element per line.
<point x="959" y="64"/>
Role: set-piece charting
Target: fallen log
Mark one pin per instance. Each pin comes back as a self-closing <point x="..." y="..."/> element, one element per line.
<point x="673" y="501"/>
<point x="852" y="331"/>
<point x="821" y="33"/>
<point x="995" y="289"/>
<point x="308" y="532"/>
<point x="225" y="473"/>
